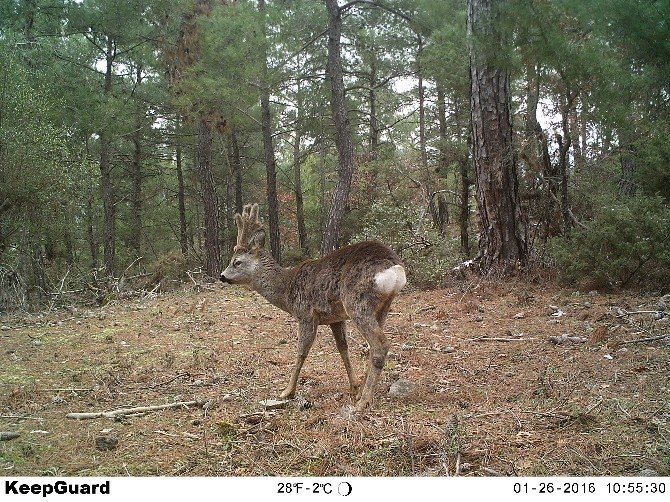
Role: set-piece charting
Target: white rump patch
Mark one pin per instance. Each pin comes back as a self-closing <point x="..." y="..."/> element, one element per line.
<point x="391" y="280"/>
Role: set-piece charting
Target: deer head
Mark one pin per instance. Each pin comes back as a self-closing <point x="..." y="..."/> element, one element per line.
<point x="246" y="254"/>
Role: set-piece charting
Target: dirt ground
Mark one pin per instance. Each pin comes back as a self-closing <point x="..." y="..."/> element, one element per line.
<point x="493" y="395"/>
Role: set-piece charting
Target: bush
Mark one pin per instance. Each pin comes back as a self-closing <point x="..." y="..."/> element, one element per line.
<point x="626" y="242"/>
<point x="426" y="254"/>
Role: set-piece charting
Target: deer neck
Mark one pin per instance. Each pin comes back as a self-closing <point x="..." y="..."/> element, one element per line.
<point x="271" y="281"/>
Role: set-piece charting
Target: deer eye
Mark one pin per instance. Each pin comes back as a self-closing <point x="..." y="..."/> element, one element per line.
<point x="237" y="263"/>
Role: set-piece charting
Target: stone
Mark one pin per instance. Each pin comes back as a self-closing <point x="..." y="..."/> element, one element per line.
<point x="649" y="473"/>
<point x="7" y="436"/>
<point x="401" y="388"/>
<point x="274" y="404"/>
<point x="106" y="443"/>
<point x="347" y="412"/>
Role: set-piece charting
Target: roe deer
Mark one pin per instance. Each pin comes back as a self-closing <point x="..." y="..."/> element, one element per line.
<point x="356" y="282"/>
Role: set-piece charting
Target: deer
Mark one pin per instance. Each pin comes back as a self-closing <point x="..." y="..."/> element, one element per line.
<point x="357" y="282"/>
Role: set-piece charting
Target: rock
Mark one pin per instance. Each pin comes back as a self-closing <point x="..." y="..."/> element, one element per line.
<point x="664" y="303"/>
<point x="566" y="338"/>
<point x="7" y="436"/>
<point x="303" y="404"/>
<point x="401" y="388"/>
<point x="274" y="404"/>
<point x="227" y="398"/>
<point x="4" y="328"/>
<point x="106" y="443"/>
<point x="449" y="350"/>
<point x="347" y="412"/>
<point x="650" y="473"/>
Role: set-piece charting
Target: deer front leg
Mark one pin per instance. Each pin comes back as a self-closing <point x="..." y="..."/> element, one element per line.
<point x="340" y="334"/>
<point x="306" y="335"/>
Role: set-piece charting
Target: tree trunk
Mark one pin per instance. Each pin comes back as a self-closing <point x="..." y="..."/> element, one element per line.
<point x="422" y="107"/>
<point x="181" y="191"/>
<point x="564" y="143"/>
<point x="343" y="137"/>
<point x="372" y="98"/>
<point x="209" y="199"/>
<point x="502" y="239"/>
<point x="92" y="241"/>
<point x="577" y="143"/>
<point x="297" y="181"/>
<point x="464" y="216"/>
<point x="236" y="163"/>
<point x="109" y="210"/>
<point x="268" y="149"/>
<point x="436" y="212"/>
<point x="136" y="194"/>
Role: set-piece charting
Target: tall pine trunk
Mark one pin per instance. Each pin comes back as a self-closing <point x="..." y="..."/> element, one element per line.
<point x="268" y="149"/>
<point x="236" y="163"/>
<point x="210" y="201"/>
<point x="181" y="191"/>
<point x="136" y="194"/>
<point x="343" y="137"/>
<point x="109" y="210"/>
<point x="422" y="106"/>
<point x="297" y="181"/>
<point x="502" y="238"/>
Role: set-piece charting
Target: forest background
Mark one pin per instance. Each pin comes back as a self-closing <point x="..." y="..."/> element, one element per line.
<point x="132" y="132"/>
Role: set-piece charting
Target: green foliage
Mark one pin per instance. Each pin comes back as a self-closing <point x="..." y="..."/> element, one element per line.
<point x="426" y="254"/>
<point x="626" y="242"/>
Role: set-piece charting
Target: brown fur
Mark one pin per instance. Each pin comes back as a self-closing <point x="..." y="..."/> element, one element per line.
<point x="329" y="290"/>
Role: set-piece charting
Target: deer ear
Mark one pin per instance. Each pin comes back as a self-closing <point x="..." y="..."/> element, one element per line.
<point x="257" y="240"/>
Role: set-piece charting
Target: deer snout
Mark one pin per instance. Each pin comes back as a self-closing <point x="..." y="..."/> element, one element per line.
<point x="224" y="279"/>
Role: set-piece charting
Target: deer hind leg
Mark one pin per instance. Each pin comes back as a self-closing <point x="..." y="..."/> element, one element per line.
<point x="306" y="335"/>
<point x="340" y="334"/>
<point x="368" y="323"/>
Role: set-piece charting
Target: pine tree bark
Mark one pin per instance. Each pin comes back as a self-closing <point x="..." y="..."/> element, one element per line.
<point x="181" y="193"/>
<point x="297" y="181"/>
<point x="372" y="98"/>
<point x="209" y="199"/>
<point x="236" y="162"/>
<point x="136" y="194"/>
<point x="343" y="135"/>
<point x="269" y="154"/>
<point x="422" y="106"/>
<point x="109" y="210"/>
<point x="502" y="237"/>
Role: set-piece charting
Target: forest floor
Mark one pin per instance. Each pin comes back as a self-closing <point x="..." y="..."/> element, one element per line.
<point x="493" y="395"/>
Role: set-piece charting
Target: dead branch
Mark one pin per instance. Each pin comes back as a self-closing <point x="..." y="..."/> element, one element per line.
<point x="648" y="339"/>
<point x="21" y="417"/>
<point x="121" y="412"/>
<point x="167" y="381"/>
<point x="497" y="339"/>
<point x="566" y="338"/>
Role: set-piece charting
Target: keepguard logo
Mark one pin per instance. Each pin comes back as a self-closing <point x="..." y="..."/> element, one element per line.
<point x="56" y="488"/>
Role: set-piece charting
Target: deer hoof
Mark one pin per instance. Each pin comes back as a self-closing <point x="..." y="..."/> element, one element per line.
<point x="361" y="405"/>
<point x="287" y="394"/>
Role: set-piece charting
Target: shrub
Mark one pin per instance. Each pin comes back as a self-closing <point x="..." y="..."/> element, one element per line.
<point x="425" y="253"/>
<point x="626" y="242"/>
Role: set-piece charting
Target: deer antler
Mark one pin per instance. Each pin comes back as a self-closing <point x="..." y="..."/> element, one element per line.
<point x="247" y="224"/>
